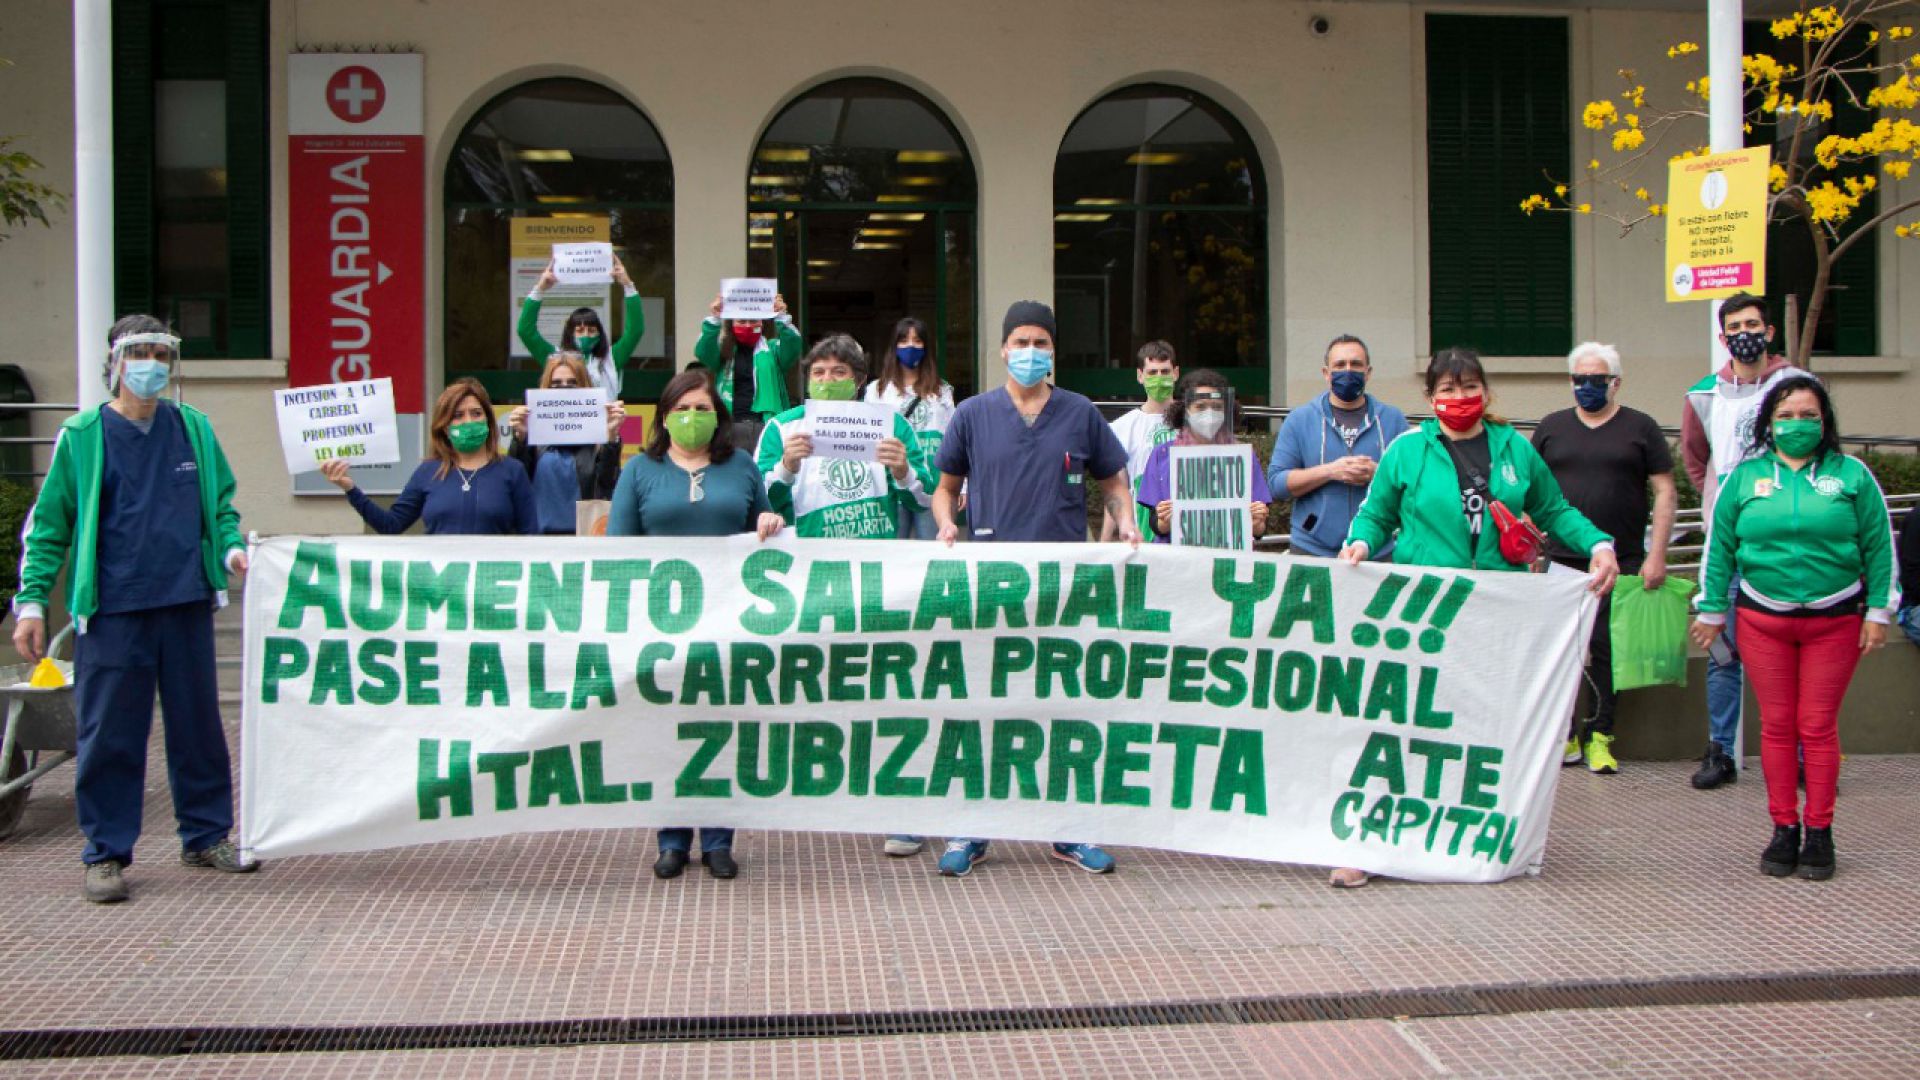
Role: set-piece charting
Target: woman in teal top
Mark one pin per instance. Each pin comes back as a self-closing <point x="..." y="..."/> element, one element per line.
<point x="690" y="481"/>
<point x="584" y="333"/>
<point x="1433" y="485"/>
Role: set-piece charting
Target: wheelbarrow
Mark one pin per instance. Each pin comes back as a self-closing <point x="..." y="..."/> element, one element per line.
<point x="40" y="733"/>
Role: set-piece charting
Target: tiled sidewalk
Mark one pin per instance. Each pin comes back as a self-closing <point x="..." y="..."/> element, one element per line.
<point x="1647" y="879"/>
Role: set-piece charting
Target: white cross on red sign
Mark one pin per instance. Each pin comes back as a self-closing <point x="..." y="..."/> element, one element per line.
<point x="355" y="94"/>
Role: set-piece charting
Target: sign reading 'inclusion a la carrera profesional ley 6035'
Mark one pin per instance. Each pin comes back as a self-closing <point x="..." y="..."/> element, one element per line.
<point x="406" y="690"/>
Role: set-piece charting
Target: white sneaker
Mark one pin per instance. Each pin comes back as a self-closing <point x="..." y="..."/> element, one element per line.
<point x="902" y="846"/>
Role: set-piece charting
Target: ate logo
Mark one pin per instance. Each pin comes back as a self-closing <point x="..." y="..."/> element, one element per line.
<point x="356" y="94"/>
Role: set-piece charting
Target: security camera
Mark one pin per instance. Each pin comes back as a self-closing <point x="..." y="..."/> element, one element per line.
<point x="1320" y="26"/>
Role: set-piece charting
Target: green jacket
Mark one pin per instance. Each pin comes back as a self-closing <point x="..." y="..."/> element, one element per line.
<point x="1800" y="539"/>
<point x="66" y="517"/>
<point x="773" y="360"/>
<point x="1416" y="492"/>
<point x="839" y="498"/>
<point x="619" y="351"/>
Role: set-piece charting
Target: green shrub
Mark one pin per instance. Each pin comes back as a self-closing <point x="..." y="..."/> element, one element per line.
<point x="15" y="501"/>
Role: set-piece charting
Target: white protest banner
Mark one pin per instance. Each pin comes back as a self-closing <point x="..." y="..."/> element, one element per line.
<point x="1212" y="496"/>
<point x="353" y="421"/>
<point x="847" y="429"/>
<point x="567" y="417"/>
<point x="405" y="690"/>
<point x="747" y="297"/>
<point x="583" y="264"/>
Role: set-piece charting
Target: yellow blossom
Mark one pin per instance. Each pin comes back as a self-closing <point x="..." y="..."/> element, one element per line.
<point x="1560" y="190"/>
<point x="1586" y="208"/>
<point x="1637" y="97"/>
<point x="1828" y="203"/>
<point x="1776" y="177"/>
<point x="1657" y="210"/>
<point x="1593" y="164"/>
<point x="1685" y="48"/>
<point x="1898" y="169"/>
<point x="1598" y="114"/>
<point x="1534" y="202"/>
<point x="1641" y="194"/>
<point x="1901" y="93"/>
<point x="1787" y="27"/>
<point x="1628" y="139"/>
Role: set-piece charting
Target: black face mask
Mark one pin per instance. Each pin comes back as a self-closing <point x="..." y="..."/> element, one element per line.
<point x="1747" y="346"/>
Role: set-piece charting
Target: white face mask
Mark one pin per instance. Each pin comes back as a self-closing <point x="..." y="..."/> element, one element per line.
<point x="1206" y="424"/>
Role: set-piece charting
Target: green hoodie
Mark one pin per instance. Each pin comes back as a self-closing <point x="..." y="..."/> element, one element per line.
<point x="1416" y="491"/>
<point x="66" y="516"/>
<point x="773" y="358"/>
<point x="1802" y="538"/>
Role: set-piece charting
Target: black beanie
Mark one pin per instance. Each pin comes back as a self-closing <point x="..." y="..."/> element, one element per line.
<point x="1028" y="313"/>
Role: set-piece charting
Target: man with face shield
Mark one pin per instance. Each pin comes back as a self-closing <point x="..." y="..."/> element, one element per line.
<point x="140" y="495"/>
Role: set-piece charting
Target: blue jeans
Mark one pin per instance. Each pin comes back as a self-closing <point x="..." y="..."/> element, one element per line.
<point x="1723" y="689"/>
<point x="917" y="524"/>
<point x="710" y="840"/>
<point x="1909" y="620"/>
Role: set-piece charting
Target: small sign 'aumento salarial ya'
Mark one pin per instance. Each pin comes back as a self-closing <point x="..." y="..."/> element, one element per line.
<point x="1212" y="496"/>
<point x="351" y="421"/>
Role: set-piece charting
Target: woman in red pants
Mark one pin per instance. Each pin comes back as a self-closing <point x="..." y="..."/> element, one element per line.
<point x="1805" y="528"/>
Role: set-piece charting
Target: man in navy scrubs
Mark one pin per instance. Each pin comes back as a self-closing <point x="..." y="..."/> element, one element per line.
<point x="1025" y="452"/>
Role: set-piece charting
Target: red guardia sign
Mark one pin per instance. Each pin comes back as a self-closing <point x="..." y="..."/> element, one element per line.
<point x="356" y="188"/>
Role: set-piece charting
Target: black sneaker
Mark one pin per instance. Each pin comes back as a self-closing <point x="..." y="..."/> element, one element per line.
<point x="719" y="863"/>
<point x="1783" y="855"/>
<point x="1816" y="859"/>
<point x="671" y="863"/>
<point x="1716" y="768"/>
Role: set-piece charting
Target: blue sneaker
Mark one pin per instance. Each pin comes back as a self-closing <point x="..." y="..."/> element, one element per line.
<point x="1085" y="856"/>
<point x="960" y="857"/>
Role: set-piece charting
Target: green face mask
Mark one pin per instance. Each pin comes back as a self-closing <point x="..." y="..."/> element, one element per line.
<point x="586" y="343"/>
<point x="1159" y="387"/>
<point x="1797" y="438"/>
<point x="690" y="429"/>
<point x="468" y="437"/>
<point x="830" y="390"/>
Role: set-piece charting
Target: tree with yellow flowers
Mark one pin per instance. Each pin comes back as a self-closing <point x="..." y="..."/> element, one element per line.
<point x="1818" y="177"/>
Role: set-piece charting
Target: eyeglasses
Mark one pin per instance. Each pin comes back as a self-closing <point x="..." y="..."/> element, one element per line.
<point x="1592" y="380"/>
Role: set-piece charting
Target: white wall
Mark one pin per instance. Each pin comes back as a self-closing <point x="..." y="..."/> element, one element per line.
<point x="1339" y="121"/>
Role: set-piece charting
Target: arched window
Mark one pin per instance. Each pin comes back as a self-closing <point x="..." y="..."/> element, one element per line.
<point x="1160" y="232"/>
<point x="555" y="159"/>
<point x="861" y="202"/>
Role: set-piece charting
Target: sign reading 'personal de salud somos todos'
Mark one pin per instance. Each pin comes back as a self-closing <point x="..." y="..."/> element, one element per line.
<point x="1717" y="225"/>
<point x="352" y="422"/>
<point x="356" y="191"/>
<point x="404" y="690"/>
<point x="566" y="417"/>
<point x="847" y="429"/>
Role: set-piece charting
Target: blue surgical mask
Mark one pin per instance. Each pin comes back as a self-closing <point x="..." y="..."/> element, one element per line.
<point x="910" y="355"/>
<point x="1589" y="397"/>
<point x="1029" y="366"/>
<point x="1349" y="385"/>
<point x="146" y="378"/>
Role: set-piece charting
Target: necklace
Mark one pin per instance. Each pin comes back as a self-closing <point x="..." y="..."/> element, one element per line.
<point x="466" y="478"/>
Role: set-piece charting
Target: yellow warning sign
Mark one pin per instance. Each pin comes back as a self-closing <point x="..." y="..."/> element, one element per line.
<point x="1717" y="225"/>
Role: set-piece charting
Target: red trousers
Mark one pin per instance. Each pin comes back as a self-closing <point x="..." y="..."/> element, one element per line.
<point x="1799" y="668"/>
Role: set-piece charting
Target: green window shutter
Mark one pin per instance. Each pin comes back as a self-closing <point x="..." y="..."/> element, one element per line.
<point x="249" y="301"/>
<point x="1498" y="119"/>
<point x="133" y="239"/>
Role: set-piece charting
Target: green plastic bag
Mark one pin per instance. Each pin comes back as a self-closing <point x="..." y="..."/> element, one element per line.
<point x="1649" y="629"/>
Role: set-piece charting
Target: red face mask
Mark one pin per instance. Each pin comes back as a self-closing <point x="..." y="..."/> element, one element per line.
<point x="747" y="335"/>
<point x="1460" y="413"/>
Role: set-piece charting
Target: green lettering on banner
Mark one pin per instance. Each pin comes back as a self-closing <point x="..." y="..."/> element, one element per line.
<point x="758" y="574"/>
<point x="381" y="617"/>
<point x="1343" y="810"/>
<point x="946" y="670"/>
<point x="313" y="582"/>
<point x="875" y="616"/>
<point x="1308" y="598"/>
<point x="750" y="673"/>
<point x="1293" y="681"/>
<point x="1340" y="683"/>
<point x="551" y="777"/>
<point x="1122" y="759"/>
<point x="1379" y="819"/>
<point x="1003" y="588"/>
<point x="830" y="598"/>
<point x="1017" y="747"/>
<point x="960" y="756"/>
<point x="800" y="670"/>
<point x="911" y="731"/>
<point x="592" y="676"/>
<point x="749" y="775"/>
<point x="847" y="667"/>
<point x="285" y="659"/>
<point x="1229" y="687"/>
<point x="817" y="766"/>
<point x="1242" y="772"/>
<point x="332" y="673"/>
<point x="504" y="768"/>
<point x="593" y="779"/>
<point x="1134" y="612"/>
<point x="382" y="685"/>
<point x="1057" y="658"/>
<point x="1262" y="678"/>
<point x="1424" y="714"/>
<point x="945" y="594"/>
<point x="1010" y="654"/>
<point x="494" y="596"/>
<point x="1388" y="697"/>
<point x="1093" y="595"/>
<point x="620" y="576"/>
<point x="486" y="675"/>
<point x="860" y="758"/>
<point x="1461" y="818"/>
<point x="1047" y="600"/>
<point x="1106" y="672"/>
<point x="703" y="676"/>
<point x="651" y="655"/>
<point x="675" y="580"/>
<point x="693" y="781"/>
<point x="538" y="696"/>
<point x="556" y="599"/>
<point x="430" y="590"/>
<point x="1147" y="660"/>
<point x="1242" y="596"/>
<point x="420" y="659"/>
<point x="1186" y="739"/>
<point x="454" y="787"/>
<point x="1409" y="814"/>
<point x="892" y="660"/>
<point x="1188" y="669"/>
<point x="1487" y="844"/>
<point x="1073" y="750"/>
<point x="1380" y="760"/>
<point x="1436" y="755"/>
<point x="1482" y="773"/>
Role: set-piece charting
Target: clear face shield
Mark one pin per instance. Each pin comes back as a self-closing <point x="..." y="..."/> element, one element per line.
<point x="1208" y="410"/>
<point x="146" y="363"/>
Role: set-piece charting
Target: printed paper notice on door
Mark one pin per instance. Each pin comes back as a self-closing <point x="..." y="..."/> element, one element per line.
<point x="747" y="297"/>
<point x="848" y="429"/>
<point x="1212" y="496"/>
<point x="351" y="421"/>
<point x="573" y="417"/>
